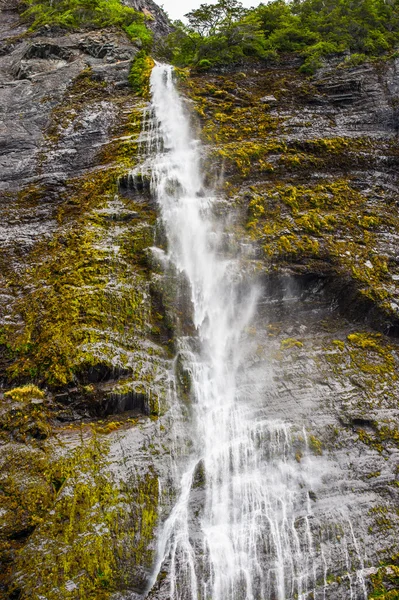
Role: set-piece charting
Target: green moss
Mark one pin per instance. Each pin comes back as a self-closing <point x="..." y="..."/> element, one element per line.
<point x="332" y="145"/>
<point x="290" y="343"/>
<point x="245" y="134"/>
<point x="314" y="222"/>
<point x="384" y="520"/>
<point x="31" y="195"/>
<point x="71" y="307"/>
<point x="247" y="157"/>
<point x="331" y="222"/>
<point x="232" y="114"/>
<point x="25" y="393"/>
<point x="383" y="436"/>
<point x="94" y="529"/>
<point x="295" y="246"/>
<point x="370" y="355"/>
<point x="315" y="445"/>
<point x="26" y="494"/>
<point x="24" y="415"/>
<point x="386" y="581"/>
<point x="75" y="281"/>
<point x="140" y="72"/>
<point x="47" y="348"/>
<point x="88" y="192"/>
<point x="339" y="344"/>
<point x="107" y="428"/>
<point x="368" y="361"/>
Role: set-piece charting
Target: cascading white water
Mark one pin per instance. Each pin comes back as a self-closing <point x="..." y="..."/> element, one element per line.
<point x="253" y="538"/>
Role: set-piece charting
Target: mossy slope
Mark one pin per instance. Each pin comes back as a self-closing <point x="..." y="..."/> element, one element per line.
<point x="80" y="337"/>
<point x="88" y="533"/>
<point x="307" y="182"/>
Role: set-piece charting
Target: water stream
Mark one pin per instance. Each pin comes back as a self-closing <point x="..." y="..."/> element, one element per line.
<point x="241" y="526"/>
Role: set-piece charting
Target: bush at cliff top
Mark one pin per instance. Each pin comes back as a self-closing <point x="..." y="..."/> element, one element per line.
<point x="225" y="32"/>
<point x="83" y="13"/>
<point x="138" y="31"/>
<point x="231" y="41"/>
<point x="364" y="26"/>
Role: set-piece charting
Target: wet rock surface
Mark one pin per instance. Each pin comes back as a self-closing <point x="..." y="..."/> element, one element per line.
<point x="79" y="487"/>
<point x="324" y="345"/>
<point x="333" y="382"/>
<point x="336" y="129"/>
<point x="69" y="127"/>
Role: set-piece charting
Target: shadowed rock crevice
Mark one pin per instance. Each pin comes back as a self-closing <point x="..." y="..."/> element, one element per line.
<point x="342" y="296"/>
<point x="48" y="51"/>
<point x="116" y="404"/>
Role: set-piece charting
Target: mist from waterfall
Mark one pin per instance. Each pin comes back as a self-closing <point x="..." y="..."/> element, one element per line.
<point x="249" y="536"/>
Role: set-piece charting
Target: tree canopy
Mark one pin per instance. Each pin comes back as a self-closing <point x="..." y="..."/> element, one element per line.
<point x="209" y="18"/>
<point x="224" y="32"/>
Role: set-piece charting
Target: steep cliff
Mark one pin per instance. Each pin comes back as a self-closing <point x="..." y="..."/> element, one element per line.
<point x="309" y="181"/>
<point x="80" y="316"/>
<point x="310" y="170"/>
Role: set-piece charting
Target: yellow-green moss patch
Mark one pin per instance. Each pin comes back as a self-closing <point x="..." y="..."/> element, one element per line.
<point x="95" y="528"/>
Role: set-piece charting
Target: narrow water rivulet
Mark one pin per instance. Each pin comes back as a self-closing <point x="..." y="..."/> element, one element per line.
<point x="250" y="536"/>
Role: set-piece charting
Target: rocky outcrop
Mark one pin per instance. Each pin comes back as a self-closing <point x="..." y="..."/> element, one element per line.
<point x="315" y="171"/>
<point x="159" y="22"/>
<point x="69" y="129"/>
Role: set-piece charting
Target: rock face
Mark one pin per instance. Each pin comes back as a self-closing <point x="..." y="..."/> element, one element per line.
<point x="80" y="315"/>
<point x="312" y="180"/>
<point x="304" y="164"/>
<point x="88" y="318"/>
<point x="159" y="22"/>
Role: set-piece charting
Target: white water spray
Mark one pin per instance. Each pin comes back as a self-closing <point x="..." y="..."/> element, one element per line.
<point x="248" y="536"/>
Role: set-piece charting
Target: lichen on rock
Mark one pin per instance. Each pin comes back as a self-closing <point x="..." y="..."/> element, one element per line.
<point x="80" y="335"/>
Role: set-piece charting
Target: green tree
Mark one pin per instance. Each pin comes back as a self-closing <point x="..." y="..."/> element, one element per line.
<point x="226" y="32"/>
<point x="209" y="18"/>
<point x="275" y="15"/>
<point x="220" y="33"/>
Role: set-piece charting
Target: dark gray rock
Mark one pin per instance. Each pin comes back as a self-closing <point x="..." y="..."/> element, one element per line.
<point x="158" y="20"/>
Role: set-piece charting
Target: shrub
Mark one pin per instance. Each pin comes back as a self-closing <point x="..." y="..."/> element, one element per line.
<point x="140" y="72"/>
<point x="204" y="64"/>
<point x="138" y="31"/>
<point x="225" y="32"/>
<point x="355" y="59"/>
<point x="88" y="13"/>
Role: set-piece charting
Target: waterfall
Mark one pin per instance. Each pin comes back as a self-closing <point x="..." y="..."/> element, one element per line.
<point x="249" y="533"/>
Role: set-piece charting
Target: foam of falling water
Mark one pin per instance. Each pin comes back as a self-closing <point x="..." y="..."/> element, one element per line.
<point x="255" y="538"/>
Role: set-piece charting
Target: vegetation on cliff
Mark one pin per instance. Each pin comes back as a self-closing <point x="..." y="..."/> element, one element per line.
<point x="85" y="307"/>
<point x="70" y="525"/>
<point x="74" y="14"/>
<point x="226" y="32"/>
<point x="78" y="14"/>
<point x="325" y="223"/>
